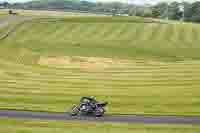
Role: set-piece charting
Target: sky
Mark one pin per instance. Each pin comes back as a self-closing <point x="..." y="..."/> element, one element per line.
<point x="135" y="1"/>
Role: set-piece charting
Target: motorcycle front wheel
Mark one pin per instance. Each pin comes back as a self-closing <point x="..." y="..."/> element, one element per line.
<point x="74" y="110"/>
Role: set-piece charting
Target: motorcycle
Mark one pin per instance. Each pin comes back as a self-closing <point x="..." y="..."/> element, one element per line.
<point x="88" y="107"/>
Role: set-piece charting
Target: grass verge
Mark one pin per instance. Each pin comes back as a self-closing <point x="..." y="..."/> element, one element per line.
<point x="32" y="126"/>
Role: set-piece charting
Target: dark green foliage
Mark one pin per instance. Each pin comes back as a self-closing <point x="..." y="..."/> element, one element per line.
<point x="4" y="4"/>
<point x="159" y="10"/>
<point x="194" y="12"/>
<point x="174" y="11"/>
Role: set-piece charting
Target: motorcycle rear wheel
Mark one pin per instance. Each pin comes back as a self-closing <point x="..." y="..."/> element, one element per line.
<point x="99" y="112"/>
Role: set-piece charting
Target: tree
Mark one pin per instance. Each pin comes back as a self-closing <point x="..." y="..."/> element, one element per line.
<point x="160" y="10"/>
<point x="174" y="11"/>
<point x="187" y="11"/>
<point x="132" y="10"/>
<point x="4" y="4"/>
<point x="195" y="12"/>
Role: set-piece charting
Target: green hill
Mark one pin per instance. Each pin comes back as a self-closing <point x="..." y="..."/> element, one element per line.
<point x="53" y="1"/>
<point x="140" y="66"/>
<point x="57" y="4"/>
<point x="122" y="37"/>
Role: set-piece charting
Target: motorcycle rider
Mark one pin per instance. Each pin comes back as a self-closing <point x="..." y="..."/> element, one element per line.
<point x="90" y="101"/>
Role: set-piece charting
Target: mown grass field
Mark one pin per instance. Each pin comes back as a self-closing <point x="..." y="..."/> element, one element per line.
<point x="32" y="126"/>
<point x="43" y="13"/>
<point x="3" y="12"/>
<point x="138" y="66"/>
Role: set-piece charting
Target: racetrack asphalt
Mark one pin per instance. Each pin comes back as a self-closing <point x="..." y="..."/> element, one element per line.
<point x="132" y="119"/>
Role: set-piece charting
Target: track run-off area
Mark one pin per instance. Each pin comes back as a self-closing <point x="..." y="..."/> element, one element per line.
<point x="46" y="65"/>
<point x="107" y="118"/>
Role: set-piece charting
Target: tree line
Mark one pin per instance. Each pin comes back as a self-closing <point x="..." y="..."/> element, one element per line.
<point x="177" y="11"/>
<point x="189" y="12"/>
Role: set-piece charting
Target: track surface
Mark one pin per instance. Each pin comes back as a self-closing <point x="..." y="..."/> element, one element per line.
<point x="108" y="118"/>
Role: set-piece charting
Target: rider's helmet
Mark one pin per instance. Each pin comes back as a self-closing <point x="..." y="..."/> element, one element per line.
<point x="92" y="97"/>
